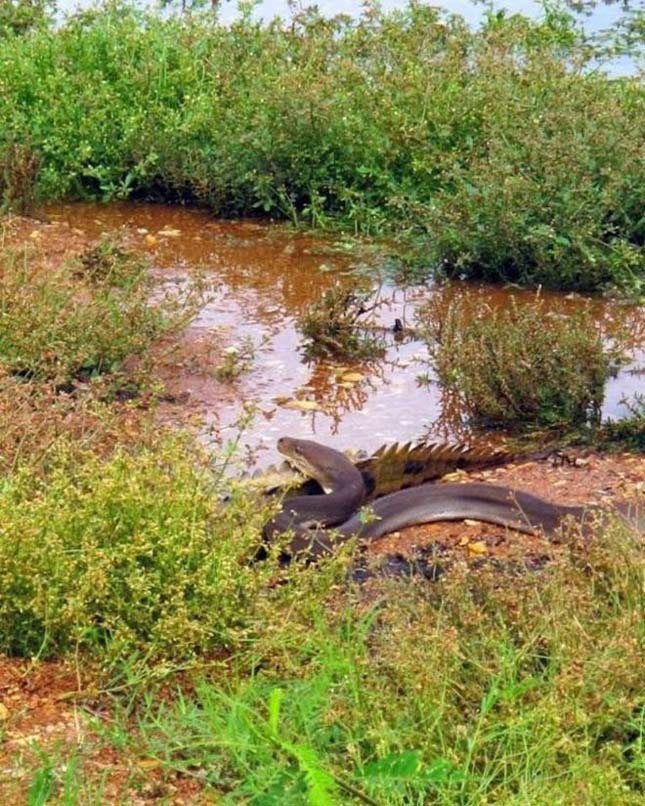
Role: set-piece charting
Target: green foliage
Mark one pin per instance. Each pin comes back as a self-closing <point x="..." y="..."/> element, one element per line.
<point x="498" y="153"/>
<point x="521" y="367"/>
<point x="129" y="554"/>
<point x="332" y="326"/>
<point x="320" y="785"/>
<point x="18" y="17"/>
<point x="501" y="686"/>
<point x="627" y="433"/>
<point x="80" y="319"/>
<point x="554" y="197"/>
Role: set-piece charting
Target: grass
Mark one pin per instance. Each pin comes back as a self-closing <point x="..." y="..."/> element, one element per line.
<point x="82" y="318"/>
<point x="495" y="154"/>
<point x="468" y="690"/>
<point x="501" y="685"/>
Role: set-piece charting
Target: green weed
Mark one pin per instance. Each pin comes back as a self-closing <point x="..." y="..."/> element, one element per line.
<point x="52" y="773"/>
<point x="498" y="153"/>
<point x="523" y="367"/>
<point x="124" y="554"/>
<point x="81" y="319"/>
<point x="236" y="361"/>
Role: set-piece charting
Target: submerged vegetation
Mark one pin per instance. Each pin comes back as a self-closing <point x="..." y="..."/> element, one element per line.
<point x="498" y="154"/>
<point x="334" y="326"/>
<point x="522" y="367"/>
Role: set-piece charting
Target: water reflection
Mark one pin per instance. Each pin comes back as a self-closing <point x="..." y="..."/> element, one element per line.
<point x="263" y="276"/>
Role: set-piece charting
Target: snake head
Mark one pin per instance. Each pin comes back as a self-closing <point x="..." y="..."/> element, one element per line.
<point x="328" y="466"/>
<point x="307" y="456"/>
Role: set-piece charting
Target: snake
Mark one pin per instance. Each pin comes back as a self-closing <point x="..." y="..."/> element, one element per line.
<point x="320" y="523"/>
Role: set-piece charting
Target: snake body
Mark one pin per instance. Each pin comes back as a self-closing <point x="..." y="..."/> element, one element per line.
<point x="308" y="516"/>
<point x="338" y="477"/>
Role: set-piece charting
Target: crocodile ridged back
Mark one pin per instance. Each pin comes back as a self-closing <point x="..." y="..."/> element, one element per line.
<point x="397" y="467"/>
<point x="393" y="467"/>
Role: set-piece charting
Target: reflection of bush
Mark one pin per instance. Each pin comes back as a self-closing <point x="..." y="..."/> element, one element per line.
<point x="334" y="327"/>
<point x="523" y="366"/>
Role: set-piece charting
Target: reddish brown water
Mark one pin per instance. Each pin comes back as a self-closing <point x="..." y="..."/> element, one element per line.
<point x="264" y="276"/>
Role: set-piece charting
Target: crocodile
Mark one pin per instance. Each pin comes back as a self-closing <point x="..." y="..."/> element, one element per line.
<point x="308" y="518"/>
<point x="392" y="467"/>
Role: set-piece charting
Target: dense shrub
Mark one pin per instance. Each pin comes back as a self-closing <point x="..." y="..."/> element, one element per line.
<point x="81" y="318"/>
<point x="497" y="152"/>
<point x="123" y="554"/>
<point x="552" y="194"/>
<point x="521" y="367"/>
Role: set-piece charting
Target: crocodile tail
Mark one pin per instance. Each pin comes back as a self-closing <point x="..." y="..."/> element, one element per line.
<point x="396" y="467"/>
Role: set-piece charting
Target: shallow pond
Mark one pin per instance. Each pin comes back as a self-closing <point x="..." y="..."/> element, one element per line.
<point x="263" y="276"/>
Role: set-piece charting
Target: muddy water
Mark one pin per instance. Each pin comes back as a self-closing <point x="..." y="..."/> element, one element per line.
<point x="262" y="277"/>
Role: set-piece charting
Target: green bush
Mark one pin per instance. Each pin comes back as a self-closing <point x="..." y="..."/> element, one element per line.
<point x="130" y="553"/>
<point x="521" y="367"/>
<point x="499" y="153"/>
<point x="500" y="686"/>
<point x="81" y="318"/>
<point x="552" y="193"/>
